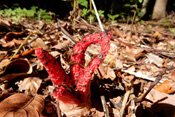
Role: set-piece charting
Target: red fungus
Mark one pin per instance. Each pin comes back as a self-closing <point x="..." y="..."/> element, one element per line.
<point x="54" y="69"/>
<point x="75" y="90"/>
<point x="80" y="75"/>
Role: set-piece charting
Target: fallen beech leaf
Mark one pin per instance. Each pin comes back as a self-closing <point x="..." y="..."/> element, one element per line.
<point x="155" y="59"/>
<point x="22" y="105"/>
<point x="129" y="54"/>
<point x="17" y="41"/>
<point x="107" y="72"/>
<point x="39" y="43"/>
<point x="11" y="35"/>
<point x="5" y="93"/>
<point x="9" y="44"/>
<point x="166" y="87"/>
<point x="15" y="69"/>
<point x="163" y="103"/>
<point x="30" y="85"/>
<point x="62" y="45"/>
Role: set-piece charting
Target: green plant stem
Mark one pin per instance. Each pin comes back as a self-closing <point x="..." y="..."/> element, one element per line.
<point x="16" y="51"/>
<point x="98" y="18"/>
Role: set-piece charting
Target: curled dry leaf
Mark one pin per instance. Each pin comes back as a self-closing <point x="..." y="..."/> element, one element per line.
<point x="11" y="35"/>
<point x="22" y="105"/>
<point x="30" y="85"/>
<point x="15" y="69"/>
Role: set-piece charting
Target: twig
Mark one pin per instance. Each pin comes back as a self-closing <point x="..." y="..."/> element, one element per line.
<point x="98" y="18"/>
<point x="66" y="33"/>
<point x="126" y="96"/>
<point x="137" y="100"/>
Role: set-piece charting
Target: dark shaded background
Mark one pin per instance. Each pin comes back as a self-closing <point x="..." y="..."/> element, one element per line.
<point x="62" y="8"/>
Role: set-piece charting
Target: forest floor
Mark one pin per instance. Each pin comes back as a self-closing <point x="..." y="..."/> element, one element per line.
<point x="140" y="62"/>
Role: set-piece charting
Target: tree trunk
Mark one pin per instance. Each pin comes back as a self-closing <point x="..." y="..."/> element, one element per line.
<point x="159" y="10"/>
<point x="144" y="6"/>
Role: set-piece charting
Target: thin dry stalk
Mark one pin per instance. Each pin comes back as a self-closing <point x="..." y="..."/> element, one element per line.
<point x="126" y="96"/>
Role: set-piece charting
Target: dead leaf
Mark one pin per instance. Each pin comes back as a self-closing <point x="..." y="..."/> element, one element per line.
<point x="152" y="58"/>
<point x="11" y="35"/>
<point x="9" y="44"/>
<point x="18" y="66"/>
<point x="107" y="72"/>
<point x="15" y="69"/>
<point x="39" y="43"/>
<point x="3" y="62"/>
<point x="17" y="42"/>
<point x="22" y="105"/>
<point x="166" y="87"/>
<point x="71" y="110"/>
<point x="4" y="26"/>
<point x="30" y="85"/>
<point x="160" y="100"/>
<point x="130" y="53"/>
<point x="62" y="45"/>
<point x="5" y="93"/>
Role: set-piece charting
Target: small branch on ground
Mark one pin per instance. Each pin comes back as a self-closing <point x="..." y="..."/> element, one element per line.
<point x="153" y="84"/>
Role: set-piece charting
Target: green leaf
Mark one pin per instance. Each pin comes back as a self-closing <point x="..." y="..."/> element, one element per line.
<point x="1" y="12"/>
<point x="85" y="12"/>
<point x="140" y="1"/>
<point x="83" y="3"/>
<point x="113" y="16"/>
<point x="101" y="13"/>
